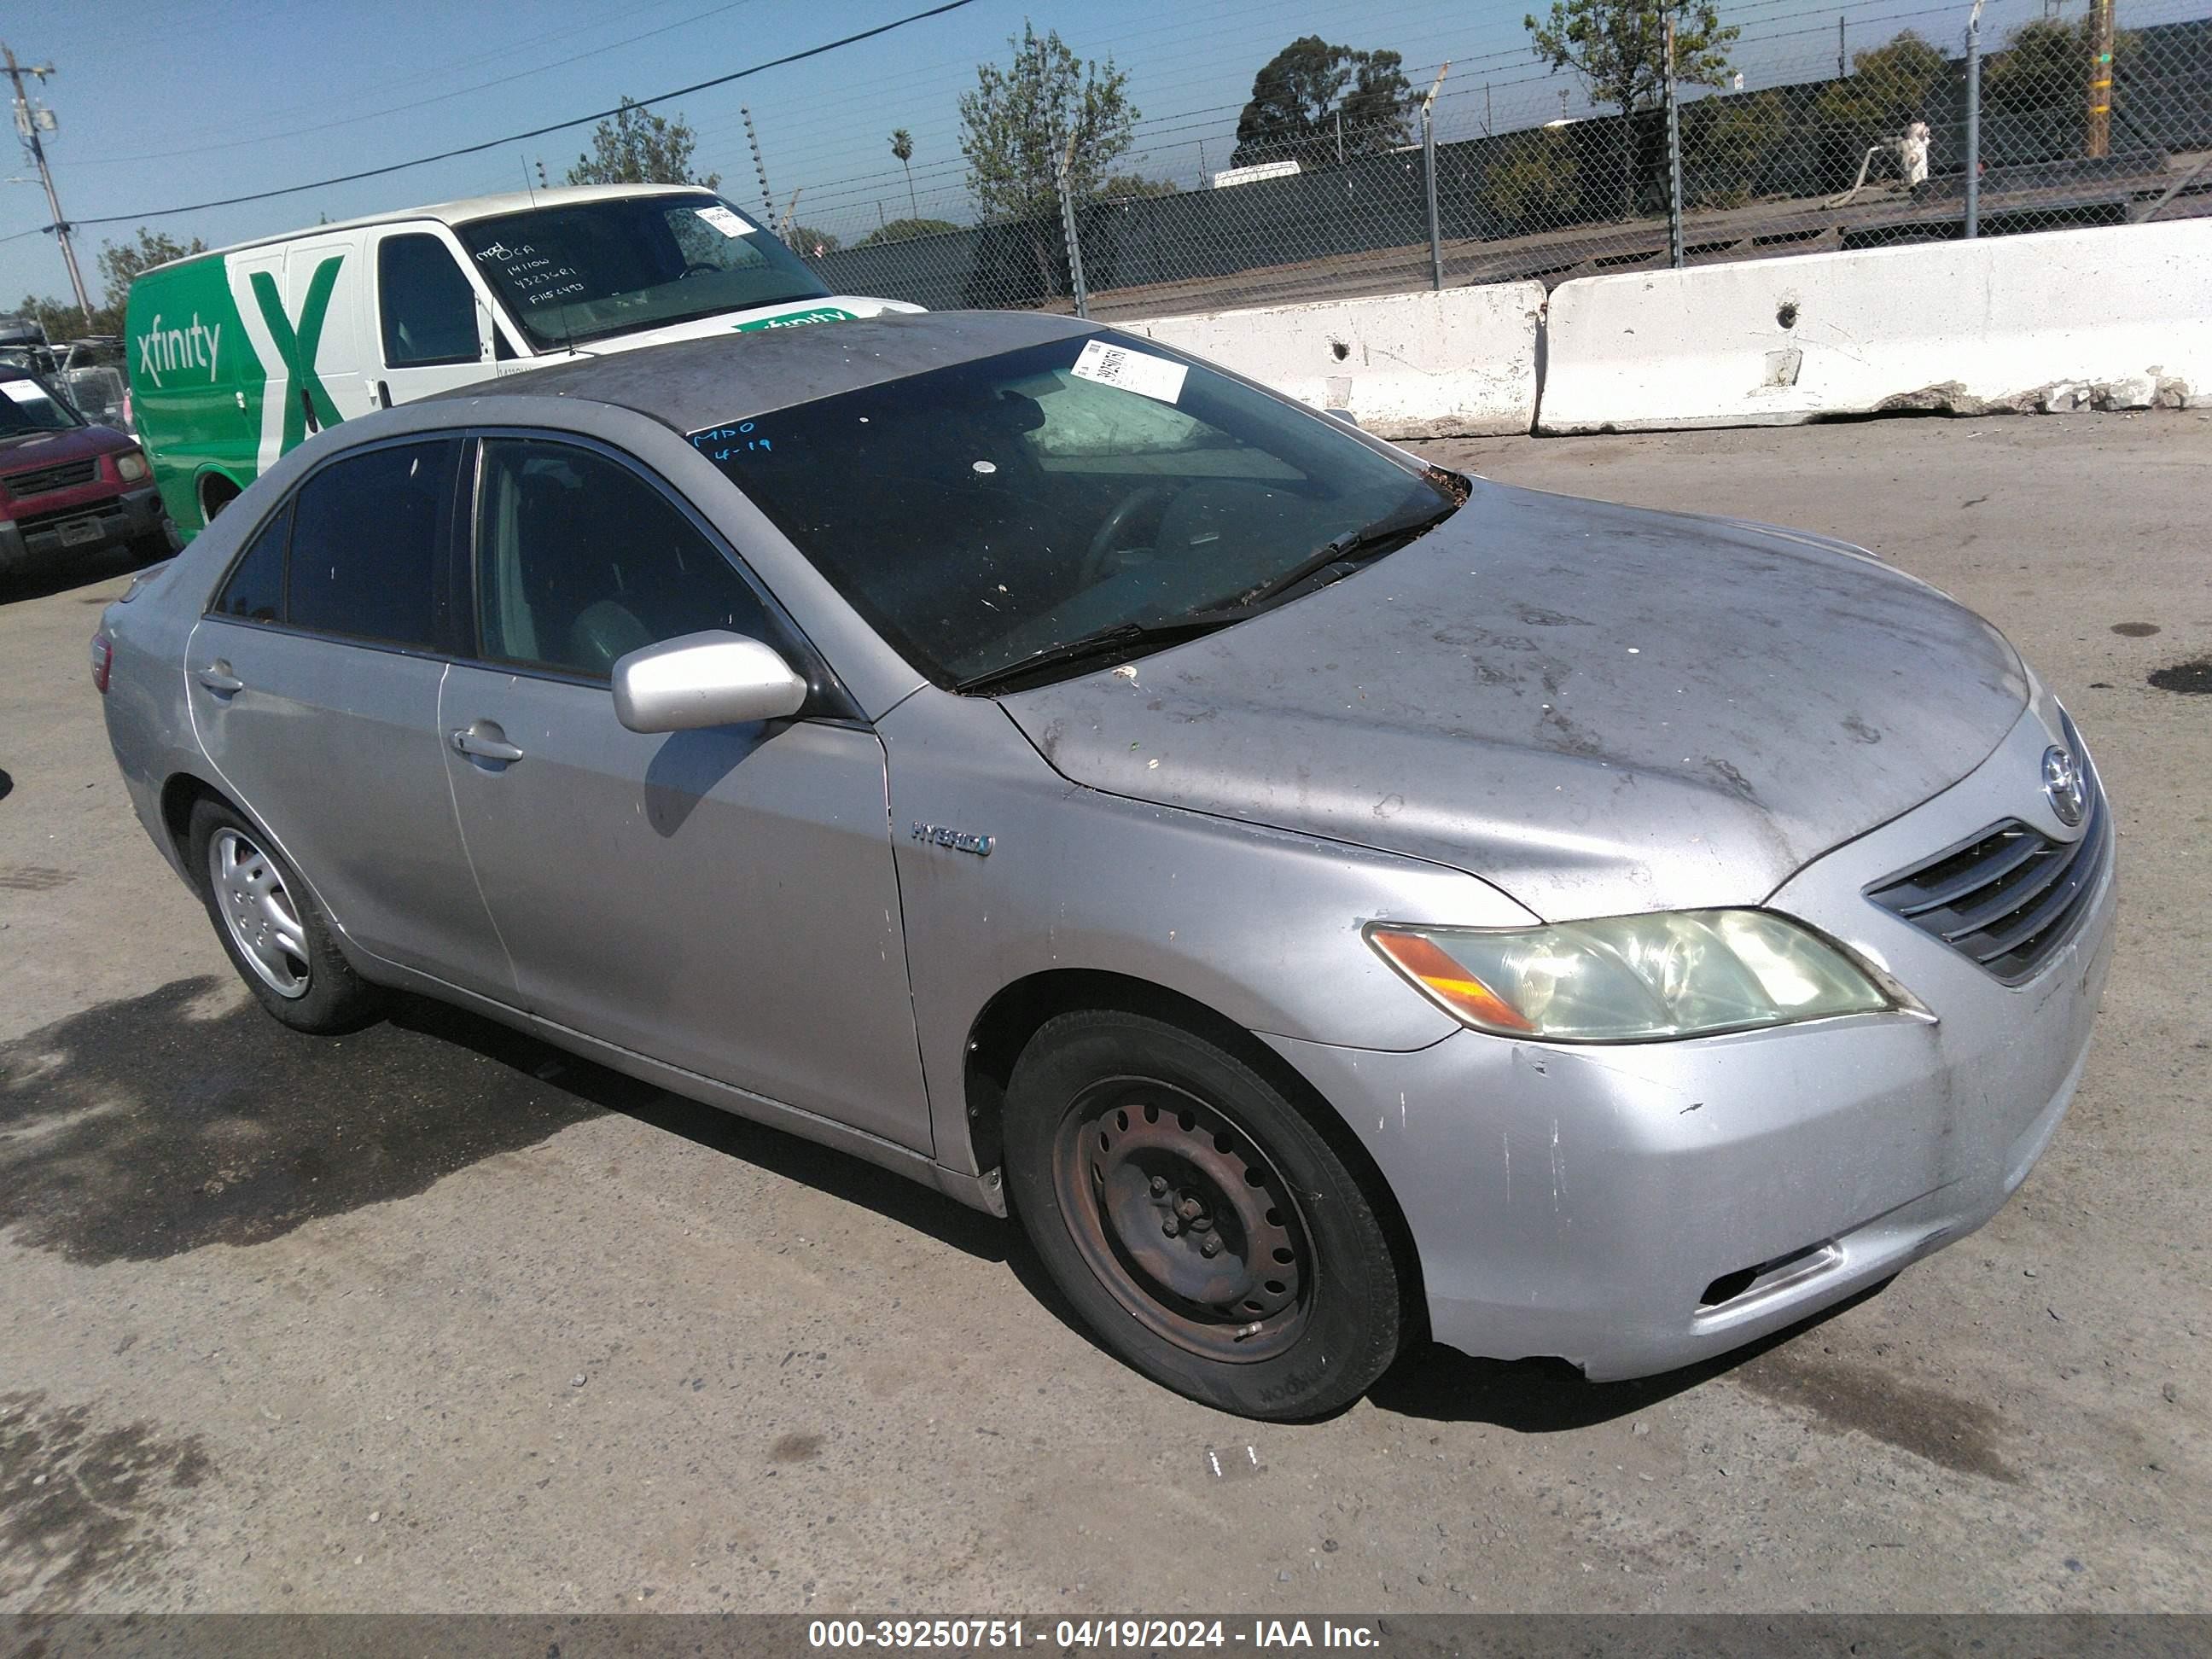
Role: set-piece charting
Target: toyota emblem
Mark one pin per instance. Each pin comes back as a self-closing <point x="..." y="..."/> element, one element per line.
<point x="2062" y="783"/>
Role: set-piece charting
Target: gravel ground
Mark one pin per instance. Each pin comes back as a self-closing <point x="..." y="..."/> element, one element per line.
<point x="435" y="1318"/>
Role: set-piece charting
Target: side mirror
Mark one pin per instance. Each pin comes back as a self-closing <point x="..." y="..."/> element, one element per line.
<point x="1343" y="415"/>
<point x="712" y="679"/>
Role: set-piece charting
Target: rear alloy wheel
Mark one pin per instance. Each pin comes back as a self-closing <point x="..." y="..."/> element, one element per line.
<point x="270" y="929"/>
<point x="1198" y="1219"/>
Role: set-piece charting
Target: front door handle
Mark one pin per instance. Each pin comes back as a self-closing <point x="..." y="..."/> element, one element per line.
<point x="218" y="678"/>
<point x="486" y="742"/>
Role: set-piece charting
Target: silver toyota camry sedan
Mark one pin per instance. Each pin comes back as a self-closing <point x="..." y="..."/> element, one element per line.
<point x="1327" y="899"/>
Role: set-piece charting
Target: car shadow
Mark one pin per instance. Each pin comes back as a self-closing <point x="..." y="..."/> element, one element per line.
<point x="149" y="1127"/>
<point x="42" y="581"/>
<point x="1550" y="1396"/>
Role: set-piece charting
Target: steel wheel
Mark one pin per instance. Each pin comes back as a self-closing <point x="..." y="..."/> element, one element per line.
<point x="1184" y="1218"/>
<point x="260" y="915"/>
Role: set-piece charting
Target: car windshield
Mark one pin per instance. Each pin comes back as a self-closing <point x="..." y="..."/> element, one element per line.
<point x="987" y="513"/>
<point x="26" y="406"/>
<point x="583" y="271"/>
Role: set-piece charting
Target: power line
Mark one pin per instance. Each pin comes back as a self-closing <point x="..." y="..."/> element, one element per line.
<point x="534" y="132"/>
<point x="390" y="110"/>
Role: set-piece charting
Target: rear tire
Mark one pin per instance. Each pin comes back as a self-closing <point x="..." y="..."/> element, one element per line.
<point x="1198" y="1221"/>
<point x="272" y="928"/>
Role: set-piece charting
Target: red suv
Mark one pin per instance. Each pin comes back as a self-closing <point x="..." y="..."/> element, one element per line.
<point x="67" y="487"/>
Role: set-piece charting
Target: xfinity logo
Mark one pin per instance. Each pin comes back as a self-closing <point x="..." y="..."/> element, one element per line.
<point x="162" y="350"/>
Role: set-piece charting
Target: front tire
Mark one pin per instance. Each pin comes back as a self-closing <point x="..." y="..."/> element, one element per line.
<point x="271" y="929"/>
<point x="1198" y="1219"/>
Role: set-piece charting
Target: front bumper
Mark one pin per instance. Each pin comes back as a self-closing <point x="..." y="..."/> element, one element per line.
<point x="1638" y="1207"/>
<point x="123" y="518"/>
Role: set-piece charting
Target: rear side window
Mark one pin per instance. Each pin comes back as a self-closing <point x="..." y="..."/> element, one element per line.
<point x="255" y="592"/>
<point x="367" y="535"/>
<point x="430" y="311"/>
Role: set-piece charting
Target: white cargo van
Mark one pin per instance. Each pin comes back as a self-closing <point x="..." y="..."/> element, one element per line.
<point x="235" y="355"/>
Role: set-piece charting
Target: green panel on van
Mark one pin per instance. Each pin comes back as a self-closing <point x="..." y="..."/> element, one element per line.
<point x="195" y="383"/>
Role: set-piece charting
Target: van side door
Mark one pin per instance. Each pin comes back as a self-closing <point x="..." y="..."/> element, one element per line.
<point x="301" y="306"/>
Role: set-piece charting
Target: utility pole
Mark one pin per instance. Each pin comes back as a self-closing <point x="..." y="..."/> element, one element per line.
<point x="1842" y="68"/>
<point x="1673" y="156"/>
<point x="30" y="123"/>
<point x="2100" y="78"/>
<point x="1973" y="225"/>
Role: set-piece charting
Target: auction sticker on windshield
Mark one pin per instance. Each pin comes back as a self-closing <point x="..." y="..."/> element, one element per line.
<point x="725" y="221"/>
<point x="798" y="318"/>
<point x="1132" y="371"/>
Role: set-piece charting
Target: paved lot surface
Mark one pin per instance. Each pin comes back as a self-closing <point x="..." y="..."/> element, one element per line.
<point x="435" y="1318"/>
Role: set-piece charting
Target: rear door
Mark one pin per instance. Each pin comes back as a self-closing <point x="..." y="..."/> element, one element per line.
<point x="312" y="682"/>
<point x="723" y="899"/>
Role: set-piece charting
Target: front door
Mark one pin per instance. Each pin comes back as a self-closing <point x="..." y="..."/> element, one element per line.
<point x="722" y="900"/>
<point x="313" y="687"/>
<point x="433" y="328"/>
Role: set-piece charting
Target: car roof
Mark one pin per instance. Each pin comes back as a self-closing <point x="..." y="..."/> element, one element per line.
<point x="458" y="212"/>
<point x="692" y="384"/>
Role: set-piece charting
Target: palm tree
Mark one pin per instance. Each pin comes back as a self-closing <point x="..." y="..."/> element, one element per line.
<point x="903" y="147"/>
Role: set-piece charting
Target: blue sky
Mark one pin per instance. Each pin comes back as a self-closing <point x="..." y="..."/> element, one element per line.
<point x="165" y="102"/>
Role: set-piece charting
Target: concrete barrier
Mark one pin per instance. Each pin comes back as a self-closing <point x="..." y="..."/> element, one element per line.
<point x="1458" y="363"/>
<point x="2060" y="319"/>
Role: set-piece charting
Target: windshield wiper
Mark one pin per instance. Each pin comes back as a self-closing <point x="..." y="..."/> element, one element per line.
<point x="1121" y="637"/>
<point x="1357" y="547"/>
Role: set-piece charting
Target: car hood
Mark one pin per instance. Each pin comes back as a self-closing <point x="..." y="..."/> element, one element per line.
<point x="787" y="313"/>
<point x="19" y="450"/>
<point x="1598" y="708"/>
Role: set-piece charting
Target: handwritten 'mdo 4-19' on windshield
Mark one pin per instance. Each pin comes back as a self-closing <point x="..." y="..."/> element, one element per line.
<point x="723" y="442"/>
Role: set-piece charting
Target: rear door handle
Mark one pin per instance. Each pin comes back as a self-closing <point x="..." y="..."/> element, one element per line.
<point x="481" y="743"/>
<point x="218" y="678"/>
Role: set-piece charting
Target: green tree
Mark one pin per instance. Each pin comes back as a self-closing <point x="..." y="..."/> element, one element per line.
<point x="905" y="230"/>
<point x="903" y="147"/>
<point x="1890" y="87"/>
<point x="1619" y="49"/>
<point x="1022" y="119"/>
<point x="120" y="264"/>
<point x="2045" y="71"/>
<point x="1533" y="179"/>
<point x="1123" y="186"/>
<point x="636" y="147"/>
<point x="1302" y="92"/>
<point x="1726" y="142"/>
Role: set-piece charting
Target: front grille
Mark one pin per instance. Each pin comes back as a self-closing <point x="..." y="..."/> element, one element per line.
<point x="29" y="522"/>
<point x="2008" y="898"/>
<point x="64" y="475"/>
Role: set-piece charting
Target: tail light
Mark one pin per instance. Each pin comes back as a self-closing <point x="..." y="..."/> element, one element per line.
<point x="103" y="660"/>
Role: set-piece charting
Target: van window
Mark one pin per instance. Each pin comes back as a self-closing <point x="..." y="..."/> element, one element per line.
<point x="255" y="592"/>
<point x="429" y="310"/>
<point x="367" y="535"/>
<point x="580" y="562"/>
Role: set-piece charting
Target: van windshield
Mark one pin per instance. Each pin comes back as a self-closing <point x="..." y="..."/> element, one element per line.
<point x="583" y="271"/>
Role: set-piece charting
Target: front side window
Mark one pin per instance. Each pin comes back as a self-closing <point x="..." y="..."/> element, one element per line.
<point x="255" y="592"/>
<point x="587" y="269"/>
<point x="427" y="308"/>
<point x="579" y="562"/>
<point x="368" y="534"/>
<point x="26" y="405"/>
<point x="1045" y="495"/>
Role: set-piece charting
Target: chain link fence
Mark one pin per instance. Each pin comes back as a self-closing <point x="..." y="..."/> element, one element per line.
<point x="1919" y="138"/>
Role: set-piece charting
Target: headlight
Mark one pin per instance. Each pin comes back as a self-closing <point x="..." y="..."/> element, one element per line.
<point x="130" y="466"/>
<point x="1628" y="979"/>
